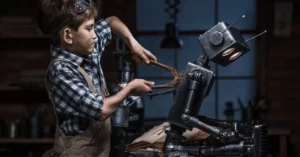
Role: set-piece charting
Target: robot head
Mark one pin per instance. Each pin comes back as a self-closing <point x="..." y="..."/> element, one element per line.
<point x="223" y="44"/>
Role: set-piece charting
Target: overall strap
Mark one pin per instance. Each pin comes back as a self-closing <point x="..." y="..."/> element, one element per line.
<point x="88" y="80"/>
<point x="90" y="85"/>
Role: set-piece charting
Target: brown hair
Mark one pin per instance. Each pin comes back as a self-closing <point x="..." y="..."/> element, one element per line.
<point x="55" y="14"/>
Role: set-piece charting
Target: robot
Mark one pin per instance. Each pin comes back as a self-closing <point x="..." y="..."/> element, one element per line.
<point x="222" y="44"/>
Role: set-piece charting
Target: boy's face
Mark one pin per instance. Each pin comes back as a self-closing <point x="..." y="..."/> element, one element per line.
<point x="83" y="42"/>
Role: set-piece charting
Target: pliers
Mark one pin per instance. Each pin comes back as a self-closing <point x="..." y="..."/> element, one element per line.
<point x="177" y="76"/>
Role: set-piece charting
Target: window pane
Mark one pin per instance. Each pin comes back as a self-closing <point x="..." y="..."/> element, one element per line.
<point x="243" y="66"/>
<point x="151" y="15"/>
<point x="159" y="106"/>
<point x="190" y="52"/>
<point x="232" y="10"/>
<point x="193" y="15"/>
<point x="230" y="90"/>
<point x="196" y="15"/>
<point x="165" y="56"/>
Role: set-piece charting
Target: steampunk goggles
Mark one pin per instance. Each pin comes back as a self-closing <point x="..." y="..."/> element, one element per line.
<point x="80" y="7"/>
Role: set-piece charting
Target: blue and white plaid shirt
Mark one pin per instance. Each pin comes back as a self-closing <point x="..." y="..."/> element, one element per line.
<point x="74" y="103"/>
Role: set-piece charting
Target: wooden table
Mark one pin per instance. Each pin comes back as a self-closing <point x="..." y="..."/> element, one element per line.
<point x="283" y="133"/>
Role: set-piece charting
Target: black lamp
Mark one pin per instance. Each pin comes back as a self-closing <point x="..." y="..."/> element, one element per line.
<point x="171" y="39"/>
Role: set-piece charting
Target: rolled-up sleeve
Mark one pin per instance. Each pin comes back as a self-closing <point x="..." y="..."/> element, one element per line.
<point x="71" y="95"/>
<point x="104" y="34"/>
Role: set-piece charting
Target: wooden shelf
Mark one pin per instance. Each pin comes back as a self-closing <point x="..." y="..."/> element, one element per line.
<point x="25" y="37"/>
<point x="26" y="141"/>
<point x="9" y="89"/>
<point x="32" y="87"/>
<point x="278" y="130"/>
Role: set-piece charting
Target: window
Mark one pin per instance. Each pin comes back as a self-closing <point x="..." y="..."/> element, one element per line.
<point x="196" y="17"/>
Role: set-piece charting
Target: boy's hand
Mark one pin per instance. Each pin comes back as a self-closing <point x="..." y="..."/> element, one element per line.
<point x="139" y="53"/>
<point x="140" y="87"/>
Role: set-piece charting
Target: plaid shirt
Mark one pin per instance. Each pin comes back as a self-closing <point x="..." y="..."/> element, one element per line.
<point x="74" y="103"/>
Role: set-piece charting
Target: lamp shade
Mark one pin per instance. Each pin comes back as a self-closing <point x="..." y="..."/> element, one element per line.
<point x="171" y="39"/>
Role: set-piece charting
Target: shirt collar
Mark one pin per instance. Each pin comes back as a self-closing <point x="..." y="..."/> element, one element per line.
<point x="62" y="54"/>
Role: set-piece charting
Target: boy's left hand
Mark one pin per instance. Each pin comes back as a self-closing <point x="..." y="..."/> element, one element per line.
<point x="140" y="54"/>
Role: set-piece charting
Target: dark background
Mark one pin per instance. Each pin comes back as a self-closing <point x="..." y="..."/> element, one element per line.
<point x="269" y="72"/>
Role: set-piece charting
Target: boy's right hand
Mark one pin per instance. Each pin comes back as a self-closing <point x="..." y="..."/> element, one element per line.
<point x="140" y="87"/>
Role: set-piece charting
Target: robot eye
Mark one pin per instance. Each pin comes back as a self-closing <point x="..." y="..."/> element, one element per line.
<point x="228" y="52"/>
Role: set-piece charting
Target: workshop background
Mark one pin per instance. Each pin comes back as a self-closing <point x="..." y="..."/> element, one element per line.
<point x="267" y="77"/>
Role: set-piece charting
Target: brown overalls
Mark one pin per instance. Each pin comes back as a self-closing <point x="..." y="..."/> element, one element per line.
<point x="94" y="142"/>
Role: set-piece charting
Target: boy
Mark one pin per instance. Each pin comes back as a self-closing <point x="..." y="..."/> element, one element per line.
<point x="75" y="81"/>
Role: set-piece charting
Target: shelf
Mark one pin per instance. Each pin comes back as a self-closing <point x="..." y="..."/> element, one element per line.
<point x="26" y="141"/>
<point x="18" y="89"/>
<point x="25" y="37"/>
<point x="278" y="130"/>
<point x="12" y="27"/>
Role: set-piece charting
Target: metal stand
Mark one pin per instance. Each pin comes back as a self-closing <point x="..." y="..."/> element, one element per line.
<point x="128" y="120"/>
